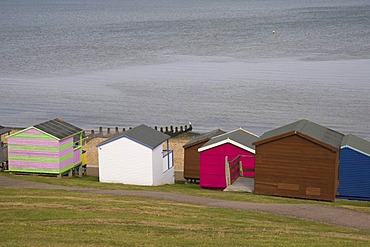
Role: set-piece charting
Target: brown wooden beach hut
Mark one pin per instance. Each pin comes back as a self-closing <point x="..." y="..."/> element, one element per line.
<point x="191" y="154"/>
<point x="299" y="160"/>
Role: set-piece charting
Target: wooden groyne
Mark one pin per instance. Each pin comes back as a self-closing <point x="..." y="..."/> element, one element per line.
<point x="108" y="132"/>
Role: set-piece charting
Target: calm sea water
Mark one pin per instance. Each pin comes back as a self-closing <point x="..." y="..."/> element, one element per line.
<point x="214" y="63"/>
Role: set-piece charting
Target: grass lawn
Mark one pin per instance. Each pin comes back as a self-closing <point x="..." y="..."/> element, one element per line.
<point x="36" y="217"/>
<point x="193" y="189"/>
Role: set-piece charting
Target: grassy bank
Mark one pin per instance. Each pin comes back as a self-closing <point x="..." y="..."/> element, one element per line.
<point x="34" y="217"/>
<point x="193" y="189"/>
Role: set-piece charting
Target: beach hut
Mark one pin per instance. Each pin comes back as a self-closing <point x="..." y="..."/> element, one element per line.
<point x="354" y="168"/>
<point x="3" y="147"/>
<point x="136" y="157"/>
<point x="231" y="145"/>
<point x="52" y="147"/>
<point x="191" y="154"/>
<point x="299" y="160"/>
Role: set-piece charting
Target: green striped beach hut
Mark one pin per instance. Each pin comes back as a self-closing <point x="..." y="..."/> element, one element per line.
<point x="52" y="147"/>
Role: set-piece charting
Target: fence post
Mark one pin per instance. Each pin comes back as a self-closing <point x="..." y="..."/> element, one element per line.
<point x="227" y="171"/>
<point x="108" y="131"/>
<point x="241" y="168"/>
<point x="100" y="130"/>
<point x="116" y="130"/>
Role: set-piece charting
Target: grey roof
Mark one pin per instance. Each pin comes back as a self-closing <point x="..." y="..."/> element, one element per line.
<point x="142" y="134"/>
<point x="58" y="128"/>
<point x="3" y="130"/>
<point x="356" y="143"/>
<point x="205" y="136"/>
<point x="306" y="127"/>
<point x="240" y="136"/>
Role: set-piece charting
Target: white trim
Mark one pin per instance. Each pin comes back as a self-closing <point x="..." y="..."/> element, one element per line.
<point x="227" y="141"/>
<point x="249" y="132"/>
<point x="354" y="149"/>
<point x="227" y="133"/>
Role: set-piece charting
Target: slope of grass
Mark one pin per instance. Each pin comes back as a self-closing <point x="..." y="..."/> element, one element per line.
<point x="35" y="217"/>
<point x="193" y="189"/>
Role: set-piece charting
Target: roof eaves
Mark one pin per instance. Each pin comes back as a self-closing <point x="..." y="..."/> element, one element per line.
<point x="128" y="137"/>
<point x="50" y="135"/>
<point x="274" y="138"/>
<point x="196" y="143"/>
<point x="246" y="131"/>
<point x="110" y="140"/>
<point x="319" y="142"/>
<point x="355" y="149"/>
<point x="228" y="140"/>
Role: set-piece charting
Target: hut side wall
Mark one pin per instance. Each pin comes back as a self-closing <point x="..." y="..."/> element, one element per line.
<point x="159" y="176"/>
<point x="296" y="167"/>
<point x="212" y="164"/>
<point x="192" y="161"/>
<point x="34" y="151"/>
<point x="354" y="174"/>
<point x="68" y="157"/>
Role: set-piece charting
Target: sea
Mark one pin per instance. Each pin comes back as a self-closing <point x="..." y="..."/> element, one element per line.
<point x="254" y="64"/>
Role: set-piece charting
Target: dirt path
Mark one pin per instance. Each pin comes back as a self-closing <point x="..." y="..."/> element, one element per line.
<point x="327" y="214"/>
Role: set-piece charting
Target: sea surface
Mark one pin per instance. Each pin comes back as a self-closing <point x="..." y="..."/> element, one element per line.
<point x="255" y="64"/>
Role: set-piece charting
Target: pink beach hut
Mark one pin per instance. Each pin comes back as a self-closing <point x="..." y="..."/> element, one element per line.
<point x="231" y="145"/>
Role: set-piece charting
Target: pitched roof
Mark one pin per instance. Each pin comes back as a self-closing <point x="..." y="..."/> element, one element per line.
<point x="142" y="134"/>
<point x="58" y="128"/>
<point x="357" y="143"/>
<point x="308" y="128"/>
<point x="3" y="130"/>
<point x="204" y="137"/>
<point x="239" y="137"/>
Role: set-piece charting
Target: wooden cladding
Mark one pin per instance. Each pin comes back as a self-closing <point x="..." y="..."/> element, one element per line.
<point x="285" y="186"/>
<point x="312" y="191"/>
<point x="296" y="167"/>
<point x="192" y="160"/>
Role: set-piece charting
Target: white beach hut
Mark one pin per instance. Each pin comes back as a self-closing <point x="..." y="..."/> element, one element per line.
<point x="136" y="157"/>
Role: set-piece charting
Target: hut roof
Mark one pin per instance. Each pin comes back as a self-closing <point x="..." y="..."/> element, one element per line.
<point x="58" y="128"/>
<point x="239" y="137"/>
<point x="356" y="143"/>
<point x="307" y="128"/>
<point x="203" y="137"/>
<point x="142" y="134"/>
<point x="3" y="130"/>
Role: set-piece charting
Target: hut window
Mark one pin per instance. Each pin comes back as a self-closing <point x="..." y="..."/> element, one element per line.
<point x="76" y="145"/>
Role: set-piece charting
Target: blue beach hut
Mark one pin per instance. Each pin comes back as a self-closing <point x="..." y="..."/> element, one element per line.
<point x="354" y="169"/>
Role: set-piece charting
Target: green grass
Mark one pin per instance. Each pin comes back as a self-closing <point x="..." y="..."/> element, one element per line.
<point x="193" y="189"/>
<point x="36" y="217"/>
